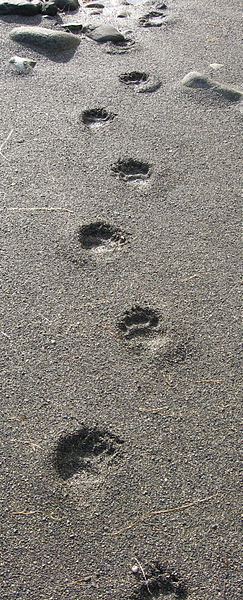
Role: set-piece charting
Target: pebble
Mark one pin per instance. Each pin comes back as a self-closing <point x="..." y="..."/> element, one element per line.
<point x="216" y="66"/>
<point x="159" y="5"/>
<point x="20" y="7"/>
<point x="135" y="569"/>
<point x="49" y="8"/>
<point x="46" y="39"/>
<point x="123" y="14"/>
<point x="103" y="33"/>
<point x="94" y="5"/>
<point x="72" y="26"/>
<point x="67" y="5"/>
<point x="22" y="65"/>
<point x="194" y="79"/>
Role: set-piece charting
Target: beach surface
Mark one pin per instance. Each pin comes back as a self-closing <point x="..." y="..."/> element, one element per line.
<point x="120" y="307"/>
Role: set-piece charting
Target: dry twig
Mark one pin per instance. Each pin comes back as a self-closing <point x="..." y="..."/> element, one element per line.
<point x="163" y="512"/>
<point x="33" y="208"/>
<point x="30" y="442"/>
<point x="4" y="144"/>
<point x="23" y="512"/>
<point x="209" y="380"/>
<point x="144" y="576"/>
<point x="157" y="410"/>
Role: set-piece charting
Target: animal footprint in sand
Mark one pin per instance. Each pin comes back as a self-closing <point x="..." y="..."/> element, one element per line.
<point x="84" y="451"/>
<point x="138" y="322"/>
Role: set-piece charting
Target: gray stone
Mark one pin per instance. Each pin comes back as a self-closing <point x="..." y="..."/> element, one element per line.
<point x="104" y="33"/>
<point x="216" y="66"/>
<point x="123" y="14"/>
<point x="94" y="5"/>
<point x="200" y="81"/>
<point x="22" y="65"/>
<point x="67" y="5"/>
<point x="20" y="7"/>
<point x="45" y="39"/>
<point x="196" y="80"/>
<point x="49" y="8"/>
<point x="72" y="26"/>
<point x="159" y="5"/>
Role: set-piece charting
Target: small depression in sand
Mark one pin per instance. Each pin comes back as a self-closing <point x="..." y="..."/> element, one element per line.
<point x="133" y="78"/>
<point x="100" y="237"/>
<point x="140" y="81"/>
<point x="120" y="47"/>
<point x="97" y="116"/>
<point x="158" y="581"/>
<point x="138" y="322"/>
<point x="84" y="451"/>
<point x="131" y="169"/>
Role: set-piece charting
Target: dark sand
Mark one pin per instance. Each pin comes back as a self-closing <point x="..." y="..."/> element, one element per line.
<point x="65" y="362"/>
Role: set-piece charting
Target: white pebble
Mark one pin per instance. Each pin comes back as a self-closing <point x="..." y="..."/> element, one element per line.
<point x="22" y="65"/>
<point x="135" y="569"/>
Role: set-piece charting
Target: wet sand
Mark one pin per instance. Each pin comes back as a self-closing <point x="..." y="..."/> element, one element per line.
<point x="120" y="342"/>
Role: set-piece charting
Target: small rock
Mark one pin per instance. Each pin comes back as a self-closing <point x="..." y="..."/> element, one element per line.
<point x="20" y="7"/>
<point x="94" y="5"/>
<point x="216" y="66"/>
<point x="67" y="5"/>
<point x="196" y="80"/>
<point x="49" y="8"/>
<point x="22" y="65"/>
<point x="152" y="19"/>
<point x="123" y="14"/>
<point x="159" y="5"/>
<point x="199" y="80"/>
<point x="46" y="39"/>
<point x="103" y="33"/>
<point x="72" y="26"/>
<point x="135" y="569"/>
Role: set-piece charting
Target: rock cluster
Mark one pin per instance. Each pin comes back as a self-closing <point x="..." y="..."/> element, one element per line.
<point x="30" y="8"/>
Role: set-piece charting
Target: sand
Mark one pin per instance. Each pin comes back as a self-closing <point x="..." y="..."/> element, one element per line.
<point x="165" y="382"/>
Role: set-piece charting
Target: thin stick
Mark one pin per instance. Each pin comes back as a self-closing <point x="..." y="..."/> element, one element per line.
<point x="33" y="208"/>
<point x="20" y="419"/>
<point x="189" y="278"/>
<point x="6" y="335"/>
<point x="83" y="580"/>
<point x="22" y="512"/>
<point x="30" y="442"/>
<point x="4" y="144"/>
<point x="157" y="410"/>
<point x="209" y="380"/>
<point x="163" y="512"/>
<point x="144" y="576"/>
<point x="193" y="276"/>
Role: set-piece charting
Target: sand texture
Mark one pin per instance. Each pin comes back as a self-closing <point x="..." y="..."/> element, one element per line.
<point x="120" y="304"/>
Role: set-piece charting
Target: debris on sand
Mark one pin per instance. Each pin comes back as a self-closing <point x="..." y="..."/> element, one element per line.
<point x="103" y="33"/>
<point x="20" y="7"/>
<point x="197" y="80"/>
<point x="22" y="65"/>
<point x="46" y="39"/>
